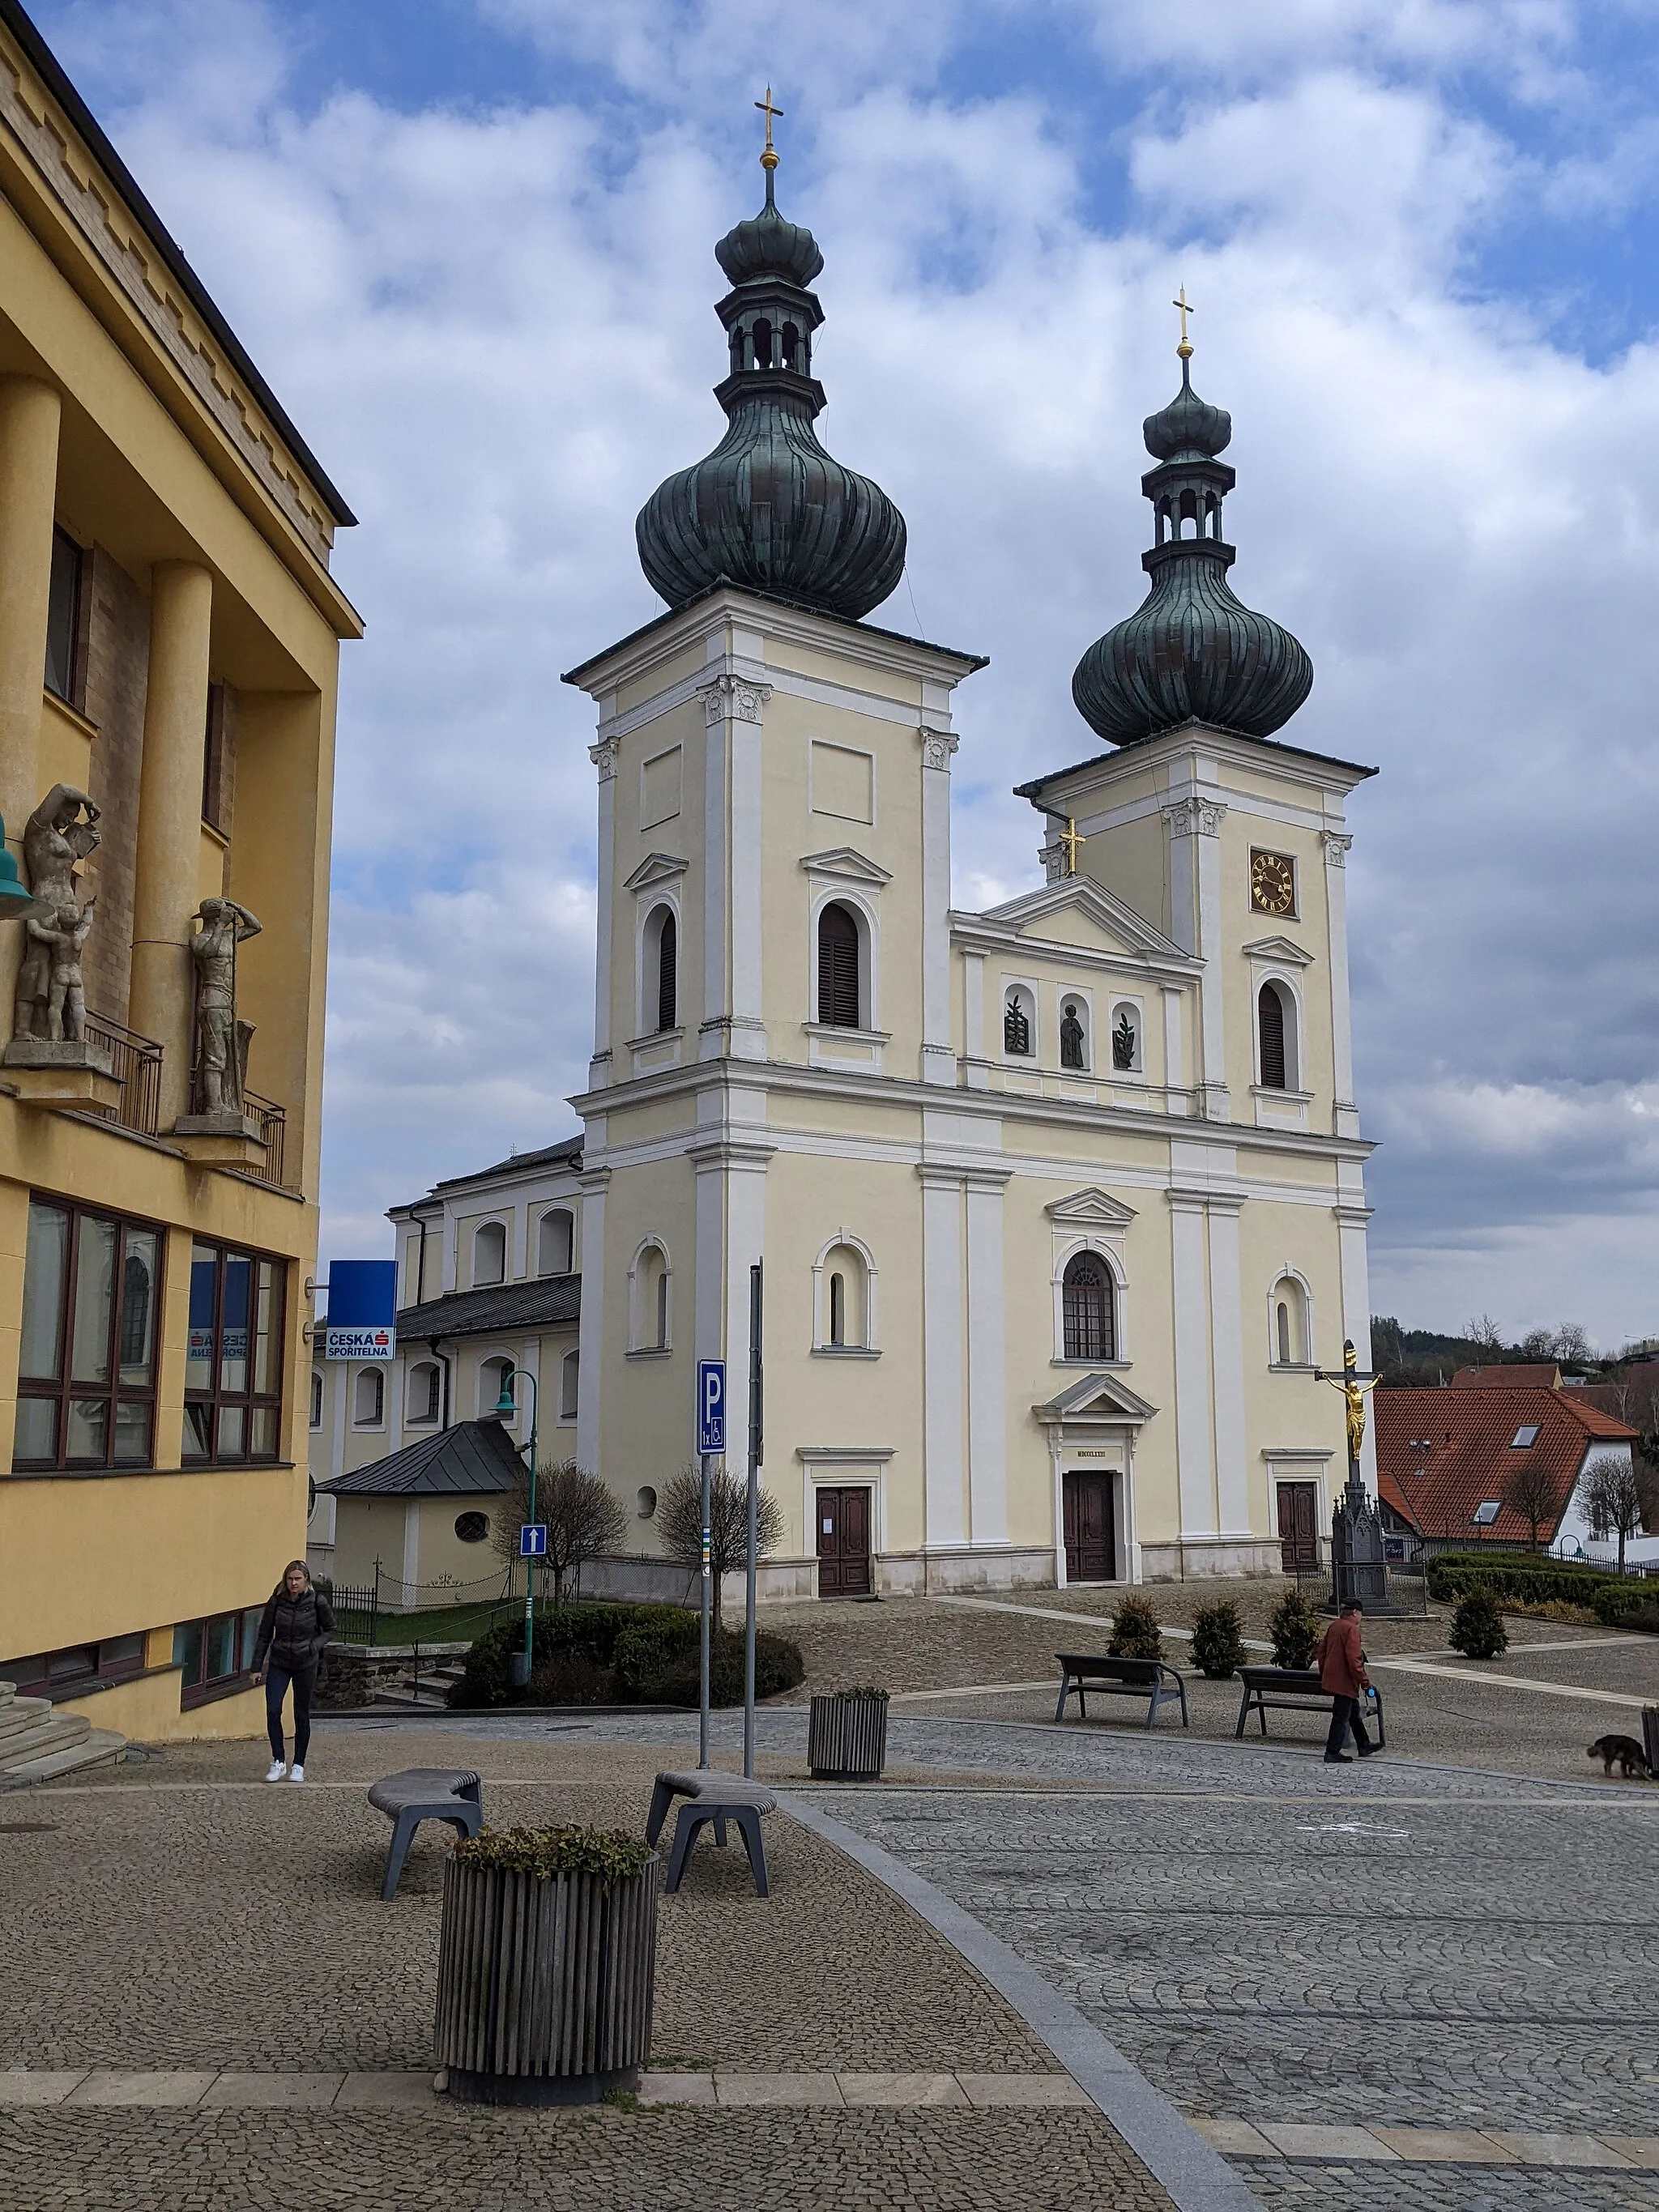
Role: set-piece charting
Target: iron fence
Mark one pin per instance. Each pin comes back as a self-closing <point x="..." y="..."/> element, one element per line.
<point x="273" y="1133"/>
<point x="373" y="1611"/>
<point x="1399" y="1585"/>
<point x="136" y="1063"/>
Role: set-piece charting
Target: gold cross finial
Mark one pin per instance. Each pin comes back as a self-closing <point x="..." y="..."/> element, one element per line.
<point x="1070" y="844"/>
<point x="1184" y="351"/>
<point x="770" y="158"/>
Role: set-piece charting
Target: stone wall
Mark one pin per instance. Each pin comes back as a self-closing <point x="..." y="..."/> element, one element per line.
<point x="351" y="1673"/>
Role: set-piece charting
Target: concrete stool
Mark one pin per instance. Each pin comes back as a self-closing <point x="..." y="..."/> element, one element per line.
<point x="424" y="1793"/>
<point x="717" y="1797"/>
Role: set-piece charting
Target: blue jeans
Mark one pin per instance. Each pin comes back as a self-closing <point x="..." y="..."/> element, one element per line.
<point x="277" y="1682"/>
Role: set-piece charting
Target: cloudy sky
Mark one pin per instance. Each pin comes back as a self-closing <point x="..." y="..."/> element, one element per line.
<point x="469" y="243"/>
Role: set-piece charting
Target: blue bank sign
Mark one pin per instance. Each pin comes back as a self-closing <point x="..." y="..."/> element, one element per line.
<point x="363" y="1305"/>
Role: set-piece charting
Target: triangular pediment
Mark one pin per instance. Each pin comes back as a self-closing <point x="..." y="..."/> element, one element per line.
<point x="1077" y="910"/>
<point x="1092" y="1208"/>
<point x="1283" y="949"/>
<point x="843" y="860"/>
<point x="1102" y="1398"/>
<point x="655" y="868"/>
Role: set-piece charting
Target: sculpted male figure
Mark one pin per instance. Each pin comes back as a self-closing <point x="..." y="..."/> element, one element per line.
<point x="218" y="1062"/>
<point x="55" y="838"/>
<point x="66" y="999"/>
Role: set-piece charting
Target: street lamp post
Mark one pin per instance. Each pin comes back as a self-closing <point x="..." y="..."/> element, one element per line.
<point x="505" y="1407"/>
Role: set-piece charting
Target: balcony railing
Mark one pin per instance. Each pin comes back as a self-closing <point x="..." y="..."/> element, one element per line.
<point x="136" y="1062"/>
<point x="273" y="1130"/>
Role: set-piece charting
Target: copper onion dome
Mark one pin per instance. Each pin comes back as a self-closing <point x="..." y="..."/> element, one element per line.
<point x="768" y="509"/>
<point x="1191" y="651"/>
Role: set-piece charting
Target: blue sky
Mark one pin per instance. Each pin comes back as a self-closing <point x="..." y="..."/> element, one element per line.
<point x="469" y="242"/>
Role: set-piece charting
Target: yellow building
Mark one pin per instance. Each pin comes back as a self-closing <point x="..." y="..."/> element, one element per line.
<point x="169" y="637"/>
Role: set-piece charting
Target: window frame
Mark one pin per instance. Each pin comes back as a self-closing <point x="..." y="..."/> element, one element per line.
<point x="483" y="1229"/>
<point x="113" y="1393"/>
<point x="206" y="1687"/>
<point x="218" y="1399"/>
<point x="830" y="982"/>
<point x="1073" y="1349"/>
<point x="73" y="693"/>
<point x="377" y="1419"/>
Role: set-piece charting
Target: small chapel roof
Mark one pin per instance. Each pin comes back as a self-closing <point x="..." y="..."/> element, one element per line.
<point x="476" y="1458"/>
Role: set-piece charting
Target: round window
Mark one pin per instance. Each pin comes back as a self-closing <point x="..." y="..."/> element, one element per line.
<point x="472" y="1528"/>
<point x="647" y="1502"/>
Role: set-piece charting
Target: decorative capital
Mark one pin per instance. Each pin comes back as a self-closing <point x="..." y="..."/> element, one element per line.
<point x="732" y="697"/>
<point x="1053" y="857"/>
<point x="1336" y="844"/>
<point x="937" y="747"/>
<point x="603" y="757"/>
<point x="1194" y="817"/>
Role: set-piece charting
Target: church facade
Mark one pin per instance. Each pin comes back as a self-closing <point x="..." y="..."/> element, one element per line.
<point x="1060" y="1204"/>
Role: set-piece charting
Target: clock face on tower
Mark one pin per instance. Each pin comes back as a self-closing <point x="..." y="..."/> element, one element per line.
<point x="1273" y="884"/>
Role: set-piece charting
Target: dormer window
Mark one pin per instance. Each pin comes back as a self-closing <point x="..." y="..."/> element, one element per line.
<point x="1484" y="1515"/>
<point x="1524" y="1438"/>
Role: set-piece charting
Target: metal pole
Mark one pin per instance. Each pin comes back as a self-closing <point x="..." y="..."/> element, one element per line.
<point x="530" y="1563"/>
<point x="756" y="1450"/>
<point x="703" y="1714"/>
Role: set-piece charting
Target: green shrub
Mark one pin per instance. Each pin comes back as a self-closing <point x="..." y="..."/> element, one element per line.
<point x="778" y="1665"/>
<point x="1477" y="1629"/>
<point x="584" y="1630"/>
<point x="1294" y="1633"/>
<point x="1218" y="1640"/>
<point x="1618" y="1600"/>
<point x="611" y="1853"/>
<point x="1135" y="1632"/>
<point x="568" y="1679"/>
<point x="653" y="1648"/>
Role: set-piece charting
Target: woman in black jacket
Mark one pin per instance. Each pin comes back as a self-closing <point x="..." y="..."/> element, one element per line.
<point x="296" y="1623"/>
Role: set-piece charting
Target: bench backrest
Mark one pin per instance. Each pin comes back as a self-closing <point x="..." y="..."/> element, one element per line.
<point x="1280" y="1678"/>
<point x="1138" y="1672"/>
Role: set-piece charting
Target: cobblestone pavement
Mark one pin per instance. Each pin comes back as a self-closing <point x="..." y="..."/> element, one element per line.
<point x="1302" y="2188"/>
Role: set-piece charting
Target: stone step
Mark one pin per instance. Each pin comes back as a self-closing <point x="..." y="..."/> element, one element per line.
<point x="8" y="1692"/>
<point x="24" y="1716"/>
<point x="96" y="1747"/>
<point x="424" y="1699"/>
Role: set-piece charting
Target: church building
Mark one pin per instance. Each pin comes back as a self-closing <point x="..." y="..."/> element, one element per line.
<point x="1060" y="1204"/>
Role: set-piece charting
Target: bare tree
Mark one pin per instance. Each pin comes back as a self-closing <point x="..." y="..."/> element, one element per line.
<point x="679" y="1523"/>
<point x="1572" y="1344"/>
<point x="1538" y="1343"/>
<point x="1534" y="1493"/>
<point x="1616" y="1495"/>
<point x="1483" y="1335"/>
<point x="581" y="1517"/>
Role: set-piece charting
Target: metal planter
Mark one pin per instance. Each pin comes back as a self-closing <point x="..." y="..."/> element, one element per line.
<point x="544" y="1984"/>
<point x="847" y="1739"/>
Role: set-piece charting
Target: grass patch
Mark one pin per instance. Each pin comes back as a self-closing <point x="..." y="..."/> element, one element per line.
<point x="436" y="1624"/>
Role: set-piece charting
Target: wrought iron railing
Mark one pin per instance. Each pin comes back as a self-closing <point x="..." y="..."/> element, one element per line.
<point x="273" y="1131"/>
<point x="136" y="1062"/>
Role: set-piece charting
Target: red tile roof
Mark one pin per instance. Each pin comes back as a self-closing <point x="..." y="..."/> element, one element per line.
<point x="1543" y="1374"/>
<point x="1442" y="1453"/>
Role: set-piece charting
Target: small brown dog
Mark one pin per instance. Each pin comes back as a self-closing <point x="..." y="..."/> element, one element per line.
<point x="1631" y="1760"/>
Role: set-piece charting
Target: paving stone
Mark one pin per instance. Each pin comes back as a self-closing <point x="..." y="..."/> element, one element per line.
<point x="105" y="2086"/>
<point x="676" y="2088"/>
<point x="1280" y="2186"/>
<point x="1311" y="2139"/>
<point x="1535" y="2149"/>
<point x="1640" y="2150"/>
<point x="36" y="2086"/>
<point x="258" y="2091"/>
<point x="1446" y="2146"/>
<point x="986" y="2092"/>
<point x="776" y="2089"/>
<point x="1235" y="2137"/>
<point x="382" y="2089"/>
<point x="901" y="2089"/>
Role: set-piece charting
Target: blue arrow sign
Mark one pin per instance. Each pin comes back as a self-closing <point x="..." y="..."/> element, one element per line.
<point x="711" y="1405"/>
<point x="533" y="1540"/>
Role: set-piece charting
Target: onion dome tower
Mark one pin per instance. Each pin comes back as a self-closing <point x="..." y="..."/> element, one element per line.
<point x="1191" y="652"/>
<point x="768" y="509"/>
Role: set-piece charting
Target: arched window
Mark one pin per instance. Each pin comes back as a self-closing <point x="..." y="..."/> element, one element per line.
<point x="1090" y="1321"/>
<point x="1271" y="1027"/>
<point x="838" y="1308"/>
<point x="762" y="343"/>
<point x="1189" y="514"/>
<point x="1288" y="1316"/>
<point x="490" y="1254"/>
<point x="791" y="346"/>
<point x="369" y="1401"/>
<point x="838" y="968"/>
<point x="844" y="1296"/>
<point x="492" y="1377"/>
<point x="553" y="1244"/>
<point x="425" y="1400"/>
<point x="1074" y="1035"/>
<point x="667" y="973"/>
<point x="316" y="1400"/>
<point x="1282" y="1325"/>
<point x="570" y="1369"/>
<point x="650" y="1310"/>
<point x="1017" y="1026"/>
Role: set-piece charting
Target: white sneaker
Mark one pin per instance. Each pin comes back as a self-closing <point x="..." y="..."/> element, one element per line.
<point x="276" y="1770"/>
<point x="296" y="1774"/>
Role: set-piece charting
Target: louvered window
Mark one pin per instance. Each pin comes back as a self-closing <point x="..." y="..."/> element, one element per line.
<point x="667" y="973"/>
<point x="1270" y="1024"/>
<point x="1086" y="1296"/>
<point x="838" y="968"/>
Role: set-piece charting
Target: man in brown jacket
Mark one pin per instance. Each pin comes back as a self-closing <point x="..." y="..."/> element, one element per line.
<point x="1342" y="1672"/>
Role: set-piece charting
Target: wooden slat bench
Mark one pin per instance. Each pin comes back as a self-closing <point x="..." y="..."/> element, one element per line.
<point x="1082" y="1671"/>
<point x="1294" y="1689"/>
<point x="424" y="1793"/>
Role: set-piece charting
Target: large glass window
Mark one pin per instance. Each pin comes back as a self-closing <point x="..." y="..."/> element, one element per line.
<point x="63" y="616"/>
<point x="86" y="1368"/>
<point x="234" y="1364"/>
<point x="215" y="1655"/>
<point x="1088" y="1312"/>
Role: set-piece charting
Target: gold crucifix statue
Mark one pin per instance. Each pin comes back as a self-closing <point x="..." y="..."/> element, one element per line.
<point x="1184" y="351"/>
<point x="1353" y="1386"/>
<point x="1070" y="844"/>
<point x="770" y="158"/>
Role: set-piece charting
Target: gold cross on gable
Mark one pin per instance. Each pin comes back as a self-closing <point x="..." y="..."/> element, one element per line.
<point x="1184" y="350"/>
<point x="769" y="158"/>
<point x="1070" y="844"/>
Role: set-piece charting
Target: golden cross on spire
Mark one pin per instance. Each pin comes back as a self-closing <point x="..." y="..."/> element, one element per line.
<point x="1070" y="844"/>
<point x="770" y="158"/>
<point x="1184" y="351"/>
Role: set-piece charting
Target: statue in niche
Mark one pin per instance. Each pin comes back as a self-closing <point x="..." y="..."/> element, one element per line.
<point x="219" y="1076"/>
<point x="1123" y="1042"/>
<point x="50" y="1007"/>
<point x="1071" y="1037"/>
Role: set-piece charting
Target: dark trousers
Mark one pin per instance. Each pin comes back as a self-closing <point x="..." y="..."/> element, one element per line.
<point x="276" y="1682"/>
<point x="1345" y="1715"/>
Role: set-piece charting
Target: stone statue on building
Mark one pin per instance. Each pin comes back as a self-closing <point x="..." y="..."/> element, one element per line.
<point x="218" y="1076"/>
<point x="1071" y="1039"/>
<point x="49" y="1006"/>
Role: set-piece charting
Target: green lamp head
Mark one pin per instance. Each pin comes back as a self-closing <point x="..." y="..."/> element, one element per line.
<point x="504" y="1409"/>
<point x="17" y="901"/>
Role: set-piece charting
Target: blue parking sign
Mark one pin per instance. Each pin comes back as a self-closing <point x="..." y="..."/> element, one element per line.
<point x="533" y="1540"/>
<point x="711" y="1405"/>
